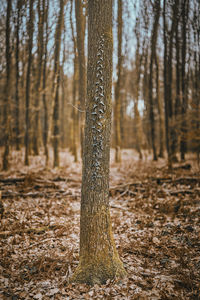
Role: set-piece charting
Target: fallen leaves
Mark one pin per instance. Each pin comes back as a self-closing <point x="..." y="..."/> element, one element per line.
<point x="156" y="221"/>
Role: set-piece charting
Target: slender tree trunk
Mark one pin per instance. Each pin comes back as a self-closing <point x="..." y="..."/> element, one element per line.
<point x="117" y="112"/>
<point x="40" y="47"/>
<point x="17" y="130"/>
<point x="99" y="260"/>
<point x="184" y="14"/>
<point x="46" y="128"/>
<point x="28" y="79"/>
<point x="80" y="27"/>
<point x="166" y="89"/>
<point x="160" y="110"/>
<point x="6" y="116"/>
<point x="153" y="55"/>
<point x="56" y="130"/>
<point x="178" y="90"/>
<point x="75" y="120"/>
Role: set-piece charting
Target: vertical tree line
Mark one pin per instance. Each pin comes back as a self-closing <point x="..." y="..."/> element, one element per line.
<point x="44" y="79"/>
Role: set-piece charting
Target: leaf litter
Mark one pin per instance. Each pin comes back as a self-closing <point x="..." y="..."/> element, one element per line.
<point x="156" y="224"/>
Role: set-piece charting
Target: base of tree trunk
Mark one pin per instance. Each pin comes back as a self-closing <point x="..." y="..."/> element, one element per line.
<point x="98" y="272"/>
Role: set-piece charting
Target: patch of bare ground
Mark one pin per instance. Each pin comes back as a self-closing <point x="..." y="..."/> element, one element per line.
<point x="156" y="221"/>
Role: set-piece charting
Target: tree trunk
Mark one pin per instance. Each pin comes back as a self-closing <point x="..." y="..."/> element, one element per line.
<point x="184" y="14"/>
<point x="46" y="128"/>
<point x="153" y="55"/>
<point x="160" y="110"/>
<point x="75" y="120"/>
<point x="56" y="130"/>
<point x="17" y="130"/>
<point x="117" y="112"/>
<point x="165" y="78"/>
<point x="38" y="79"/>
<point x="80" y="28"/>
<point x="6" y="116"/>
<point x="99" y="260"/>
<point x="28" y="81"/>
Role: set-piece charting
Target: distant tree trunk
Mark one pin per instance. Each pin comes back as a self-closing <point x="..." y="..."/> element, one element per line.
<point x="56" y="131"/>
<point x="6" y="116"/>
<point x="80" y="27"/>
<point x="28" y="81"/>
<point x="160" y="110"/>
<point x="177" y="111"/>
<point x="117" y="111"/>
<point x="17" y="130"/>
<point x="172" y="131"/>
<point x="152" y="59"/>
<point x="63" y="86"/>
<point x="46" y="128"/>
<point x="166" y="86"/>
<point x="99" y="260"/>
<point x="137" y="120"/>
<point x="75" y="121"/>
<point x="184" y="14"/>
<point x="38" y="79"/>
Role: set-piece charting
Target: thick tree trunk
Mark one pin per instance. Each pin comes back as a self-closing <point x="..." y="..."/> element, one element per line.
<point x="99" y="260"/>
<point x="28" y="79"/>
<point x="6" y="112"/>
<point x="117" y="111"/>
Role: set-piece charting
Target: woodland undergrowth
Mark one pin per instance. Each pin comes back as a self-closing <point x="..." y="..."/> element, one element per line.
<point x="156" y="224"/>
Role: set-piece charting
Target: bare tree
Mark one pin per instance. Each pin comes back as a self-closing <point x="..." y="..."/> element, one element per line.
<point x="99" y="259"/>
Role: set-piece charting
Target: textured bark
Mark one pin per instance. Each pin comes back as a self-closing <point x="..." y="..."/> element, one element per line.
<point x="56" y="131"/>
<point x="28" y="81"/>
<point x="117" y="112"/>
<point x="6" y="115"/>
<point x="80" y="28"/>
<point x="153" y="55"/>
<point x="99" y="259"/>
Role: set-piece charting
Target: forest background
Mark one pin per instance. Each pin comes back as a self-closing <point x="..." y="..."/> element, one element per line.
<point x="154" y="178"/>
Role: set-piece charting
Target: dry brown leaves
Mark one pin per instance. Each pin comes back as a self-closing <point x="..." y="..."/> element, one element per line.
<point x="156" y="220"/>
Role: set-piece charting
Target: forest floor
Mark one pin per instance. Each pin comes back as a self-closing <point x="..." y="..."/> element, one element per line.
<point x="156" y="224"/>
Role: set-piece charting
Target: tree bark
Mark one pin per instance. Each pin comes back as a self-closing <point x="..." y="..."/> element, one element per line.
<point x="40" y="47"/>
<point x="117" y="111"/>
<point x="56" y="130"/>
<point x="28" y="79"/>
<point x="160" y="110"/>
<point x="6" y="116"/>
<point x="17" y="129"/>
<point x="153" y="56"/>
<point x="99" y="260"/>
<point x="184" y="14"/>
<point x="45" y="4"/>
<point x="75" y="120"/>
<point x="80" y="28"/>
